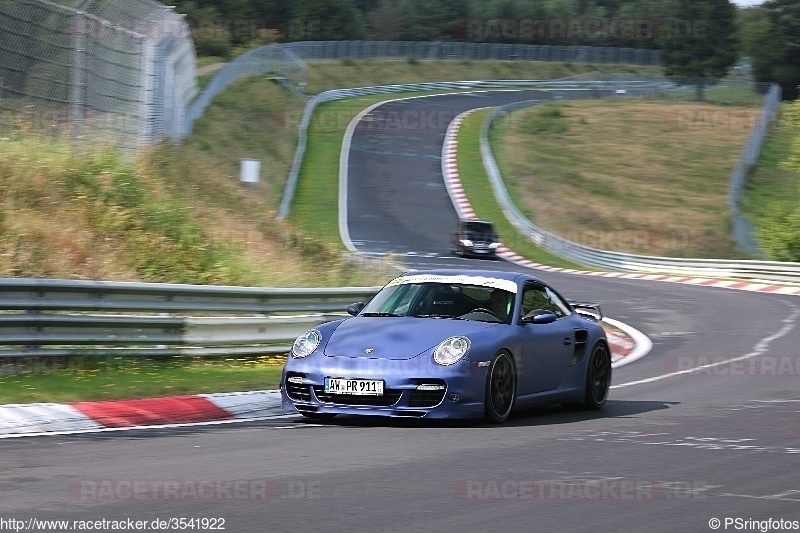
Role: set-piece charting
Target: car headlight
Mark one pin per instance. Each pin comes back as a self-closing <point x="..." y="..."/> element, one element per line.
<point x="451" y="350"/>
<point x="306" y="343"/>
<point x="466" y="242"/>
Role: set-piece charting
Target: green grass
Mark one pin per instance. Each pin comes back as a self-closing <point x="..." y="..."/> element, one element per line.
<point x="737" y="95"/>
<point x="324" y="75"/>
<point x="770" y="183"/>
<point x="109" y="378"/>
<point x="637" y="176"/>
<point x="545" y="119"/>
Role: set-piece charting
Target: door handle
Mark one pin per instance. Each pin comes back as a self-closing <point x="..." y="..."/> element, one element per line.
<point x="567" y="341"/>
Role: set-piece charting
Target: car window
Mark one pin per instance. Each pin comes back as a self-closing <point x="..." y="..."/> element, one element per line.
<point x="537" y="296"/>
<point x="560" y="307"/>
<point x="468" y="302"/>
<point x="396" y="300"/>
<point x="476" y="230"/>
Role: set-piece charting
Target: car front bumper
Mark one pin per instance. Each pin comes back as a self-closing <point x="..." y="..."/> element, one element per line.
<point x="475" y="251"/>
<point x="414" y="387"/>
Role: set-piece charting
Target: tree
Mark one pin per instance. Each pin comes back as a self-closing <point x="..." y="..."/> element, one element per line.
<point x="325" y="20"/>
<point x="386" y="21"/>
<point x="702" y="44"/>
<point x="771" y="38"/>
<point x="422" y="23"/>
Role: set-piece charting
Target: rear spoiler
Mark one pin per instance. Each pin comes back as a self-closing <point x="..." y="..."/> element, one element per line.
<point x="589" y="309"/>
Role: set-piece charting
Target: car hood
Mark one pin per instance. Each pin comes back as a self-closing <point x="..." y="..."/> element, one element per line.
<point x="395" y="337"/>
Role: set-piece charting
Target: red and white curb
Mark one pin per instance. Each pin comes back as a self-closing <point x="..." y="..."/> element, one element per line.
<point x="620" y="345"/>
<point x="464" y="209"/>
<point x="113" y="415"/>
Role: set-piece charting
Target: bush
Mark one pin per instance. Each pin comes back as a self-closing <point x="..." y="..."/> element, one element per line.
<point x="779" y="234"/>
<point x="546" y="118"/>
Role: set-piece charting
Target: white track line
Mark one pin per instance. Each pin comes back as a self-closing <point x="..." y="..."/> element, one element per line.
<point x="759" y="349"/>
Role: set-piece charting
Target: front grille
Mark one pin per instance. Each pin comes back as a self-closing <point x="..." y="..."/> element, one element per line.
<point x="390" y="397"/>
<point x="297" y="391"/>
<point x="428" y="398"/>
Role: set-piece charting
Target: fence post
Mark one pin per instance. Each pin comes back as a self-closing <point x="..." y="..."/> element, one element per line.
<point x="77" y="80"/>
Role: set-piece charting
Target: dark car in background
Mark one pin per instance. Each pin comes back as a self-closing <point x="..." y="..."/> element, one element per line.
<point x="474" y="238"/>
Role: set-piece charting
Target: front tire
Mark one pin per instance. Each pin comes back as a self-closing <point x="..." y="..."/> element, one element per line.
<point x="501" y="388"/>
<point x="598" y="377"/>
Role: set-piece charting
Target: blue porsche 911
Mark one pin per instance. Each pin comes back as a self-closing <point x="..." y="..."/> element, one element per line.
<point x="451" y="344"/>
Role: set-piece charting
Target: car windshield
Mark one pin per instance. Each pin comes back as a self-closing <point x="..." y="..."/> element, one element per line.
<point x="479" y="230"/>
<point x="462" y="301"/>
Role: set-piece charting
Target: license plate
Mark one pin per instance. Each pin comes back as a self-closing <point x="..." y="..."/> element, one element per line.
<point x="356" y="387"/>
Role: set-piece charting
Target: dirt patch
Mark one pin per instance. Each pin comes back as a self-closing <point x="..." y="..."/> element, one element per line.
<point x="210" y="68"/>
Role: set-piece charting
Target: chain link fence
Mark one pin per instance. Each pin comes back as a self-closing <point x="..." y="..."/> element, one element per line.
<point x="466" y="51"/>
<point x="112" y="71"/>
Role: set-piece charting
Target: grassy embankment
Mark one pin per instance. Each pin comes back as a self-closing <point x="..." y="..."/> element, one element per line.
<point x="641" y="177"/>
<point x="178" y="214"/>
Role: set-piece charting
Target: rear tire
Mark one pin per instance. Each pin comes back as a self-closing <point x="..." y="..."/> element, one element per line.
<point x="501" y="388"/>
<point x="598" y="377"/>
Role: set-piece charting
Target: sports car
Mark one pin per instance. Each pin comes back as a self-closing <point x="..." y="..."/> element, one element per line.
<point x="474" y="238"/>
<point x="451" y="344"/>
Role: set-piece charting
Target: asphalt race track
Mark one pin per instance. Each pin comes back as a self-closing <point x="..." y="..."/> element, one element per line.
<point x="671" y="451"/>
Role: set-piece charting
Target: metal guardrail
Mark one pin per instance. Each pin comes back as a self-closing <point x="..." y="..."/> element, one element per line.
<point x="47" y="317"/>
<point x="767" y="271"/>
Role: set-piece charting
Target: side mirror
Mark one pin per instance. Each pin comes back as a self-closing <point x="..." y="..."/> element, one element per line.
<point x="355" y="308"/>
<point x="539" y="316"/>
